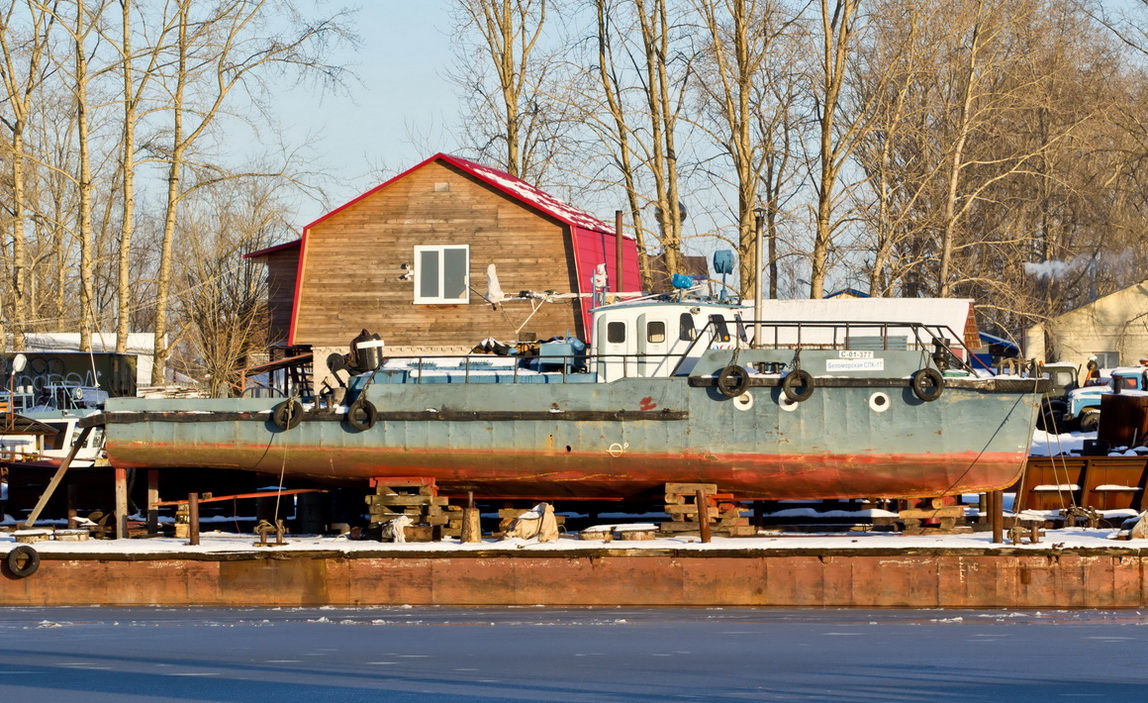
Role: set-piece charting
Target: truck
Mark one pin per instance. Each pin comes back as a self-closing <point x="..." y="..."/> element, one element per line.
<point x="1082" y="405"/>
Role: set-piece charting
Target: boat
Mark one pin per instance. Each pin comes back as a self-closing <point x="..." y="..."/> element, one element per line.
<point x="52" y="417"/>
<point x="672" y="389"/>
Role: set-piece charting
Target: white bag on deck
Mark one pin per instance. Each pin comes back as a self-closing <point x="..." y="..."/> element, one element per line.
<point x="538" y="522"/>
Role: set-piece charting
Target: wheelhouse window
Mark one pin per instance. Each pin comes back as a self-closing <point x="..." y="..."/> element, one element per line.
<point x="721" y="330"/>
<point x="686" y="330"/>
<point x="442" y="274"/>
<point x="616" y="332"/>
<point x="741" y="333"/>
<point x="655" y="332"/>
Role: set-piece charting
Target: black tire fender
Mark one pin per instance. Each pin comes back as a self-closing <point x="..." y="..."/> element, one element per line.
<point x="288" y="414"/>
<point x="362" y="414"/>
<point x="928" y="384"/>
<point x="732" y="381"/>
<point x="23" y="561"/>
<point x="797" y="385"/>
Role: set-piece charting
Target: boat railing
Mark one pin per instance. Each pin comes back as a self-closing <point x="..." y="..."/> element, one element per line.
<point x="939" y="340"/>
<point x="569" y="368"/>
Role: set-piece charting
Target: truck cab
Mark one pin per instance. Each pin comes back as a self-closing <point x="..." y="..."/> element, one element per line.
<point x="1083" y="404"/>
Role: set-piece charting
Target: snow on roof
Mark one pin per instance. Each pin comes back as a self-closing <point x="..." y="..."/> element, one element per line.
<point x="531" y="195"/>
<point x="138" y="342"/>
<point x="504" y="182"/>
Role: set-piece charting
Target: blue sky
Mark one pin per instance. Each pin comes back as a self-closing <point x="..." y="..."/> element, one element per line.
<point x="399" y="105"/>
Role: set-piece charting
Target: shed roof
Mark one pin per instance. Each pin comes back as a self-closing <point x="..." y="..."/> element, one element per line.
<point x="274" y="249"/>
<point x="504" y="182"/>
<point x="500" y="180"/>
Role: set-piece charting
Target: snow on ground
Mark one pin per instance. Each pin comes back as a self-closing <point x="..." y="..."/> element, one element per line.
<point x="229" y="543"/>
<point x="1048" y="444"/>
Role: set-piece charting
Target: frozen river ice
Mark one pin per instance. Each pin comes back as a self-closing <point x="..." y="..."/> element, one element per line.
<point x="548" y="654"/>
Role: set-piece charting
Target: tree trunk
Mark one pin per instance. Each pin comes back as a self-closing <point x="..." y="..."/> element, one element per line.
<point x="163" y="284"/>
<point x="124" y="297"/>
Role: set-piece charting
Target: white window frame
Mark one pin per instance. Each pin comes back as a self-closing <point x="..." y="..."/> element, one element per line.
<point x="439" y="299"/>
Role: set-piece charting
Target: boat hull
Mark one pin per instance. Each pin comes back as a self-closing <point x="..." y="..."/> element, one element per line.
<point x="619" y="440"/>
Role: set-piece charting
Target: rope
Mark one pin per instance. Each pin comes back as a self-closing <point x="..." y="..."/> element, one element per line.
<point x="283" y="466"/>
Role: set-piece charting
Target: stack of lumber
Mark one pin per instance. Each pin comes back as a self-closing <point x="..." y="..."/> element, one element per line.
<point x="723" y="512"/>
<point x="431" y="516"/>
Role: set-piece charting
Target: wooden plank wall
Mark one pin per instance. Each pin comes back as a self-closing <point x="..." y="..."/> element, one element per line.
<point x="352" y="268"/>
<point x="282" y="268"/>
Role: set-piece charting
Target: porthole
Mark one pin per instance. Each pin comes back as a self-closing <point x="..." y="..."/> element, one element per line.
<point x="786" y="404"/>
<point x="879" y="402"/>
<point x="743" y="401"/>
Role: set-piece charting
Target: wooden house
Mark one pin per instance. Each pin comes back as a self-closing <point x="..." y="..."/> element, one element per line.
<point x="409" y="260"/>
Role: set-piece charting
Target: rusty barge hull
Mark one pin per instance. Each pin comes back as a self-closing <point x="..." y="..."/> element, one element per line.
<point x="618" y="440"/>
<point x="870" y="578"/>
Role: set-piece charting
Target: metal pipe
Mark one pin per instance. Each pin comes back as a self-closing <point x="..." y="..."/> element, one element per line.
<point x="758" y="216"/>
<point x="618" y="276"/>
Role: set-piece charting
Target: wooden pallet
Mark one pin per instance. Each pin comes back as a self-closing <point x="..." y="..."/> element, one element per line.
<point x="943" y="518"/>
<point x="432" y="517"/>
<point x="723" y="511"/>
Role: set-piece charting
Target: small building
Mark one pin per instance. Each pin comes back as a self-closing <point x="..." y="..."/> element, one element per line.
<point x="1114" y="329"/>
<point x="55" y="359"/>
<point x="412" y="260"/>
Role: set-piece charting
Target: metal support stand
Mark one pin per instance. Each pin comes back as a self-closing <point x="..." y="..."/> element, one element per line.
<point x="264" y="528"/>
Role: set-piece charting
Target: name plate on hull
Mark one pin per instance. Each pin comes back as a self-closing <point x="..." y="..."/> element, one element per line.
<point x="832" y="365"/>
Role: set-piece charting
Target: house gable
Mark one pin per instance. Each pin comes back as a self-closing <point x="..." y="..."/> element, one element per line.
<point x="1114" y="326"/>
<point x="351" y="274"/>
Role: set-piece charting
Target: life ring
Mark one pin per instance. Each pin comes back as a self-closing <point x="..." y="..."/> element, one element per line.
<point x="797" y="385"/>
<point x="361" y="414"/>
<point x="928" y="384"/>
<point x="732" y="381"/>
<point x="288" y="414"/>
<point x="23" y="561"/>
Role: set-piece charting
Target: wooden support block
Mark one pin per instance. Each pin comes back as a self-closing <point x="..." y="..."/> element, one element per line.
<point x="691" y="488"/>
<point x="949" y="511"/>
<point x="411" y="500"/>
<point x="740" y="531"/>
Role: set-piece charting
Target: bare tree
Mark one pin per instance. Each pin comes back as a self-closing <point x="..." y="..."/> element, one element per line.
<point x="213" y="55"/>
<point x="134" y="91"/>
<point x="23" y="71"/>
<point x="838" y="25"/>
<point x="222" y="298"/>
<point x="512" y="114"/>
<point x="750" y="102"/>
